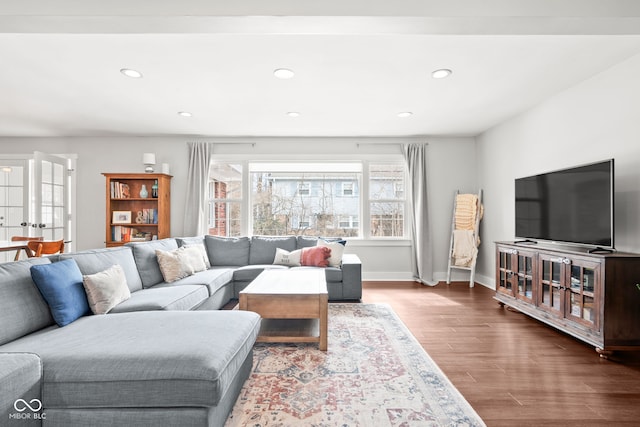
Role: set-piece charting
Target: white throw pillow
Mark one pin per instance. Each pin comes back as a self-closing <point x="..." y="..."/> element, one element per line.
<point x="172" y="265"/>
<point x="106" y="289"/>
<point x="292" y="259"/>
<point x="203" y="252"/>
<point x="337" y="249"/>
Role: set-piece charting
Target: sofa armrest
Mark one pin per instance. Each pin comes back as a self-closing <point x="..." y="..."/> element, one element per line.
<point x="351" y="277"/>
<point x="20" y="378"/>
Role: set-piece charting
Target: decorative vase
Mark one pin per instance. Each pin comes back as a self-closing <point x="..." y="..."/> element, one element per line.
<point x="143" y="192"/>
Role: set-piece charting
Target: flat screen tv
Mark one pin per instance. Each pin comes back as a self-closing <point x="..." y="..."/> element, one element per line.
<point x="573" y="205"/>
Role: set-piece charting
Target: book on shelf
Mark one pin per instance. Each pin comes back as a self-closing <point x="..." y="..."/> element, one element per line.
<point x="120" y="233"/>
<point x="147" y="216"/>
<point x="120" y="190"/>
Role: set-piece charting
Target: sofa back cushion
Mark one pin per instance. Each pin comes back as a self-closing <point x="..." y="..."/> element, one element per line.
<point x="144" y="254"/>
<point x="263" y="248"/>
<point x="96" y="260"/>
<point x="306" y="242"/>
<point x="228" y="251"/>
<point x="22" y="308"/>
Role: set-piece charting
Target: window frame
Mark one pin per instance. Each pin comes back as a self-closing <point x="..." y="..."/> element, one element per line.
<point x="364" y="220"/>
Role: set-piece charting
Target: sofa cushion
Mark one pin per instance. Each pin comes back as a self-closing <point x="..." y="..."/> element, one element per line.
<point x="164" y="298"/>
<point x="144" y="254"/>
<point x="263" y="248"/>
<point x="96" y="260"/>
<point x="60" y="284"/>
<point x="214" y="279"/>
<point x="306" y="242"/>
<point x="20" y="375"/>
<point x="151" y="359"/>
<point x="249" y="272"/>
<point x="106" y="289"/>
<point x="228" y="251"/>
<point x="22" y="308"/>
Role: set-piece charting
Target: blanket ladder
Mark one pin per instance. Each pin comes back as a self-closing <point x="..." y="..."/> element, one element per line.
<point x="471" y="267"/>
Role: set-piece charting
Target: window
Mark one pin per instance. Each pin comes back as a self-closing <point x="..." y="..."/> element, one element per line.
<point x="386" y="199"/>
<point x="304" y="188"/>
<point x="347" y="188"/>
<point x="224" y="199"/>
<point x="313" y="199"/>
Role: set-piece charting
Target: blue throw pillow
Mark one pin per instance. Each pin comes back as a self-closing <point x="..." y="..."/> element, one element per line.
<point x="60" y="283"/>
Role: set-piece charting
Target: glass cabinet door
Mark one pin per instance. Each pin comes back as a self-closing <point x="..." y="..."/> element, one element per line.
<point x="582" y="292"/>
<point x="505" y="258"/>
<point x="524" y="274"/>
<point x="551" y="268"/>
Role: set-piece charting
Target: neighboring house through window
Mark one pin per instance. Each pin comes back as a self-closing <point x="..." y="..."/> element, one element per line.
<point x="307" y="198"/>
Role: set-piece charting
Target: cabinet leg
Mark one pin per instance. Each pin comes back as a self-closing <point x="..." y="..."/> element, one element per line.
<point x="501" y="304"/>
<point x="605" y="354"/>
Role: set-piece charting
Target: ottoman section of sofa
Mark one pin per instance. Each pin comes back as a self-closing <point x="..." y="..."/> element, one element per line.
<point x="143" y="360"/>
<point x="20" y="375"/>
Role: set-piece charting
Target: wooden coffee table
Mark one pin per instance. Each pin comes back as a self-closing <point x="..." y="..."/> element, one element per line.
<point x="293" y="305"/>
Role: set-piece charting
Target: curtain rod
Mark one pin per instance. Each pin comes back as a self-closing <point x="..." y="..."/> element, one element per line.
<point x="387" y="143"/>
<point x="253" y="144"/>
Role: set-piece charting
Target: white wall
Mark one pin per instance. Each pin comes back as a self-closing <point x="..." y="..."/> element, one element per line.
<point x="594" y="120"/>
<point x="451" y="166"/>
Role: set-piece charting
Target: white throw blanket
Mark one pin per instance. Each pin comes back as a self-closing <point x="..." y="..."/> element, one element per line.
<point x="464" y="248"/>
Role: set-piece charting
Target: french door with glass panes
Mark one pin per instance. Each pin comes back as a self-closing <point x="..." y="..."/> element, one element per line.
<point x="14" y="198"/>
<point x="35" y="198"/>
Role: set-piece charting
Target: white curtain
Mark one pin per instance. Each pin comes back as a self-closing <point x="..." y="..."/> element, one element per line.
<point x="415" y="156"/>
<point x="195" y="214"/>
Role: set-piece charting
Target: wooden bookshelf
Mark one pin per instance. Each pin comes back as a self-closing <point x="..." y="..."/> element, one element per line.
<point x="149" y="216"/>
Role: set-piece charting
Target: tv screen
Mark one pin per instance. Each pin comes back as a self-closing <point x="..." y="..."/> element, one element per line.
<point x="572" y="205"/>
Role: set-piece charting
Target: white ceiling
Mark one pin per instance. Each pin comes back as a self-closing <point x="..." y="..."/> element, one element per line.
<point x="59" y="72"/>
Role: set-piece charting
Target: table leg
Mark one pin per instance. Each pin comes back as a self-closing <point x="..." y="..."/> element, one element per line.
<point x="324" y="305"/>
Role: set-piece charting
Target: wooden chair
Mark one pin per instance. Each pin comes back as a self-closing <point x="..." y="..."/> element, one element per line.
<point x="48" y="247"/>
<point x="24" y="239"/>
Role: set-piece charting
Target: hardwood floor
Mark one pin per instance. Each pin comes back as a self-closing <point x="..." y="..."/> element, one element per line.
<point x="513" y="370"/>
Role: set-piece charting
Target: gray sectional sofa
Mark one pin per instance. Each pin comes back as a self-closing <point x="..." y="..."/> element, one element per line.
<point x="165" y="356"/>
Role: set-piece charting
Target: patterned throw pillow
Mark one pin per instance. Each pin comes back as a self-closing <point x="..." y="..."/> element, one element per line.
<point x="317" y="256"/>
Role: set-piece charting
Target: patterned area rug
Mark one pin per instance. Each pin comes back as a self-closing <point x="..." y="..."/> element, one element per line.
<point x="375" y="373"/>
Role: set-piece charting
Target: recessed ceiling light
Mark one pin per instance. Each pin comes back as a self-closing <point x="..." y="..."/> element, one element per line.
<point x="405" y="114"/>
<point x="185" y="114"/>
<point x="131" y="73"/>
<point x="283" y="73"/>
<point x="441" y="74"/>
<point x="293" y="114"/>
